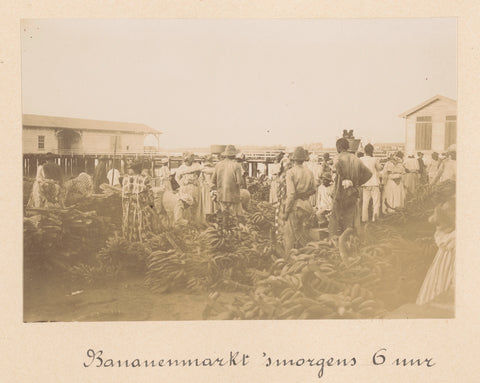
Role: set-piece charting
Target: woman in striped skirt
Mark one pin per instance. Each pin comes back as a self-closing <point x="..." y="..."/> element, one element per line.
<point x="441" y="275"/>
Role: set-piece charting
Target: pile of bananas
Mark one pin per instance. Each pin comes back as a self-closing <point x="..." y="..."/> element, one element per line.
<point x="315" y="282"/>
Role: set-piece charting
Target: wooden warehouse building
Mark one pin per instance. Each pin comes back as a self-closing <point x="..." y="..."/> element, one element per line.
<point x="431" y="126"/>
<point x="79" y="142"/>
<point x="67" y="136"/>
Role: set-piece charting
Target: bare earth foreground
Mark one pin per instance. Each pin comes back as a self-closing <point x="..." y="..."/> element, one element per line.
<point x="131" y="301"/>
<point x="125" y="301"/>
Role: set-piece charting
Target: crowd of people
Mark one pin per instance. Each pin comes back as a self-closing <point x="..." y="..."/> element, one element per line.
<point x="338" y="192"/>
<point x="352" y="188"/>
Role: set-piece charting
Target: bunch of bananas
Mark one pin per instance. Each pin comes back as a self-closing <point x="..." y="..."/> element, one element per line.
<point x="165" y="270"/>
<point x="213" y="237"/>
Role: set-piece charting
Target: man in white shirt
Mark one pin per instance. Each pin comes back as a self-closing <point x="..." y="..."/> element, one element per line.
<point x="371" y="189"/>
<point x="113" y="176"/>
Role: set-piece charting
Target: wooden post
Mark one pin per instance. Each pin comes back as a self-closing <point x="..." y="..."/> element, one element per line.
<point x="113" y="160"/>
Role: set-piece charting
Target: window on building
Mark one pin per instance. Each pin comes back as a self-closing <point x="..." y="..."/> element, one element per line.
<point x="450" y="131"/>
<point x="423" y="133"/>
<point x="41" y="142"/>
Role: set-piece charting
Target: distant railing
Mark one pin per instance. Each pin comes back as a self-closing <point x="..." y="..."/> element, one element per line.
<point x="250" y="155"/>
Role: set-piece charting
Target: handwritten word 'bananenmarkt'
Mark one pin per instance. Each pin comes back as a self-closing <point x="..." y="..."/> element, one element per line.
<point x="237" y="359"/>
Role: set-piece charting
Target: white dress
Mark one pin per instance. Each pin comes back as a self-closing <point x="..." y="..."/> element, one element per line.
<point x="441" y="274"/>
<point x="394" y="193"/>
<point x="36" y="199"/>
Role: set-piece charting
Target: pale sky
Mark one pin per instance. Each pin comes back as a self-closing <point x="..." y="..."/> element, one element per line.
<point x="245" y="82"/>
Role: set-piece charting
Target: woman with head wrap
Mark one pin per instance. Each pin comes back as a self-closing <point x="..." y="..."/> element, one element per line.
<point x="138" y="204"/>
<point x="187" y="177"/>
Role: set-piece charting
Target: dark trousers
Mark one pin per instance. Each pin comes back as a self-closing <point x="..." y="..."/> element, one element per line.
<point x="343" y="217"/>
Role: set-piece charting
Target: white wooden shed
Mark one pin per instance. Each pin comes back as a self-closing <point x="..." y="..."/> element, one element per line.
<point x="431" y="126"/>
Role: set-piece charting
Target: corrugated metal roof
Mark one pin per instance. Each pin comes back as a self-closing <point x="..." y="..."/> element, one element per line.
<point x="35" y="120"/>
<point x="426" y="103"/>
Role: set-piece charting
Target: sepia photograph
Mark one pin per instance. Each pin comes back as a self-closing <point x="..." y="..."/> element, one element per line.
<point x="238" y="169"/>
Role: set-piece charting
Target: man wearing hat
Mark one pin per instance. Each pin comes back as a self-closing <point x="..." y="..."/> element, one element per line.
<point x="298" y="209"/>
<point x="227" y="179"/>
<point x="351" y="173"/>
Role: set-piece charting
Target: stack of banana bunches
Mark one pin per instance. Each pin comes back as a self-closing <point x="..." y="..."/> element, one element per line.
<point x="363" y="277"/>
<point x="59" y="234"/>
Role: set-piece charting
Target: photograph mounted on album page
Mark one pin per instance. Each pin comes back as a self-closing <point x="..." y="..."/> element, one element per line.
<point x="216" y="170"/>
<point x="229" y="192"/>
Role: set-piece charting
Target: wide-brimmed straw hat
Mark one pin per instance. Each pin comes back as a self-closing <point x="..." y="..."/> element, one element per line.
<point x="230" y="151"/>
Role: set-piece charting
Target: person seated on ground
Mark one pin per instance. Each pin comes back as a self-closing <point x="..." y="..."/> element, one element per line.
<point x="51" y="185"/>
<point x="77" y="188"/>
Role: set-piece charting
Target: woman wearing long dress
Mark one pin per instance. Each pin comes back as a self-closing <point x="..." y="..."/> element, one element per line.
<point x="36" y="198"/>
<point x="206" y="202"/>
<point x="138" y="204"/>
<point x="411" y="177"/>
<point x="187" y="177"/>
<point x="394" y="192"/>
<point x="440" y="278"/>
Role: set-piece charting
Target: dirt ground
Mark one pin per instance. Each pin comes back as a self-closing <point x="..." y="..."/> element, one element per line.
<point x="131" y="301"/>
<point x="123" y="301"/>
